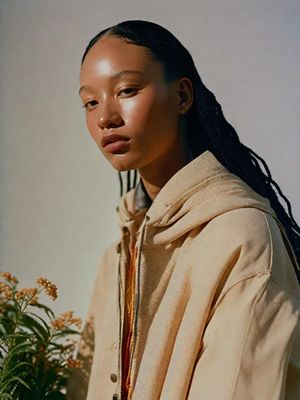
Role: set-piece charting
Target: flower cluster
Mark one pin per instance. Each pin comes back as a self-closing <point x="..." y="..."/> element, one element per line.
<point x="36" y="355"/>
<point x="65" y="320"/>
<point x="72" y="363"/>
<point x="49" y="287"/>
<point x="9" y="277"/>
<point x="28" y="294"/>
<point x="6" y="292"/>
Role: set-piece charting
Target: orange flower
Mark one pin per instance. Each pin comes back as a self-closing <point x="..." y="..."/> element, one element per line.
<point x="4" y="287"/>
<point x="71" y="363"/>
<point x="66" y="319"/>
<point x="9" y="277"/>
<point x="27" y="294"/>
<point x="6" y="291"/>
<point x="49" y="287"/>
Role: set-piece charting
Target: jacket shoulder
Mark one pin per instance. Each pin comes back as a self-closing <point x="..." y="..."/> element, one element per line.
<point x="255" y="242"/>
<point x="248" y="223"/>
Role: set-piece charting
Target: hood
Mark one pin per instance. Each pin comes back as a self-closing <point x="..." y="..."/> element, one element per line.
<point x="198" y="192"/>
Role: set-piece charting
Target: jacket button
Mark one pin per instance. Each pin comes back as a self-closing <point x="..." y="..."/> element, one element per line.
<point x="113" y="378"/>
<point x="115" y="397"/>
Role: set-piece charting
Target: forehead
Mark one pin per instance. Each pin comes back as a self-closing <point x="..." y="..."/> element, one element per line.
<point x="112" y="54"/>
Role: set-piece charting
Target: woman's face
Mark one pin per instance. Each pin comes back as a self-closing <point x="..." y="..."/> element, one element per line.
<point x="124" y="93"/>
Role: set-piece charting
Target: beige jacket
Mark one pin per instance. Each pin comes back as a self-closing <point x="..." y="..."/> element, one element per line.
<point x="217" y="305"/>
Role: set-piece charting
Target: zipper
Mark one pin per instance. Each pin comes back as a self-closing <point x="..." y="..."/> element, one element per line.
<point x="121" y="296"/>
<point x="131" y="304"/>
<point x="121" y="293"/>
<point x="132" y="364"/>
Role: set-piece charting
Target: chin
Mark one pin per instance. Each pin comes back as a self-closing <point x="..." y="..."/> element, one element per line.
<point x="122" y="165"/>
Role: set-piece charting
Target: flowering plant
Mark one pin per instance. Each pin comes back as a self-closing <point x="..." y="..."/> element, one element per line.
<point x="35" y="356"/>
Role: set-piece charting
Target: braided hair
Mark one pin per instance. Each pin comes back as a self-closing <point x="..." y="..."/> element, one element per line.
<point x="207" y="128"/>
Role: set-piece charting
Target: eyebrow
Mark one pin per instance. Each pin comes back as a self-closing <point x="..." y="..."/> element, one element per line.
<point x="117" y="75"/>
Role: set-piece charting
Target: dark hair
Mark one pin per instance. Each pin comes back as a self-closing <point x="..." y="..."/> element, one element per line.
<point x="207" y="128"/>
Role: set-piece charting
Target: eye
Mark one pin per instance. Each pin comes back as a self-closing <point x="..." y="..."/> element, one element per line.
<point x="90" y="105"/>
<point x="127" y="91"/>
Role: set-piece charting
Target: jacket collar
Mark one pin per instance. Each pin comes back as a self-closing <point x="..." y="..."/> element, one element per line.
<point x="198" y="192"/>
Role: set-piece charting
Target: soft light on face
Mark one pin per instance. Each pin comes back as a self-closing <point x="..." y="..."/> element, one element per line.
<point x="124" y="93"/>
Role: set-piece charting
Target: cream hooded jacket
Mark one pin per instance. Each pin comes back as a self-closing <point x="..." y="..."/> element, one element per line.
<point x="217" y="303"/>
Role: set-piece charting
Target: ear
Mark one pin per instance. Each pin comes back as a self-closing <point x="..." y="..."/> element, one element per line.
<point x="185" y="94"/>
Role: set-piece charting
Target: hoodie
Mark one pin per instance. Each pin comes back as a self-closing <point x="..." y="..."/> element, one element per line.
<point x="217" y="302"/>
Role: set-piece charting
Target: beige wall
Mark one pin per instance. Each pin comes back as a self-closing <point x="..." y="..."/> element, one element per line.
<point x="58" y="195"/>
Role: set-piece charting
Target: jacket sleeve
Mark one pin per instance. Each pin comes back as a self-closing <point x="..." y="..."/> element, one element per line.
<point x="251" y="347"/>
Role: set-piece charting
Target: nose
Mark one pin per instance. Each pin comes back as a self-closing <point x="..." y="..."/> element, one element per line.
<point x="109" y="116"/>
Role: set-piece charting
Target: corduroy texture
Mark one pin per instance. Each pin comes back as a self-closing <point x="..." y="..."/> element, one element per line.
<point x="217" y="304"/>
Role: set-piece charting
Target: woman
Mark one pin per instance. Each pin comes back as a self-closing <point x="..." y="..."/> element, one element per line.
<point x="199" y="299"/>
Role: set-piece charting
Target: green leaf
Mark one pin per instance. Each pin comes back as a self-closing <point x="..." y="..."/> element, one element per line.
<point x="65" y="332"/>
<point x="22" y="348"/>
<point x="34" y="326"/>
<point x="10" y="370"/>
<point x="47" y="310"/>
<point x="7" y="325"/>
<point x="41" y="320"/>
<point x="16" y="379"/>
<point x="20" y="380"/>
<point x="6" y="396"/>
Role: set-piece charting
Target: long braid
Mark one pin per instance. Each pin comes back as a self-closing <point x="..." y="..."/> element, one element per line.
<point x="222" y="139"/>
<point x="121" y="183"/>
<point x="129" y="185"/>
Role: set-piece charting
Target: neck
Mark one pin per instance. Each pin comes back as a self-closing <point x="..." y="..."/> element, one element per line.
<point x="155" y="177"/>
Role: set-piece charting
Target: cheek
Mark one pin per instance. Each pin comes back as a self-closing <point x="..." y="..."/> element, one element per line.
<point x="136" y="111"/>
<point x="148" y="108"/>
<point x="91" y="124"/>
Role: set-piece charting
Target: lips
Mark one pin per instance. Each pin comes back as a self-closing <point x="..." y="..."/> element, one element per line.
<point x="112" y="137"/>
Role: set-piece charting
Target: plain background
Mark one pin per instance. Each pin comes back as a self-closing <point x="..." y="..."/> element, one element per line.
<point x="58" y="195"/>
